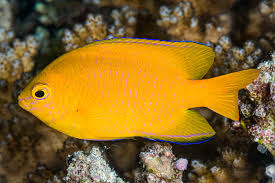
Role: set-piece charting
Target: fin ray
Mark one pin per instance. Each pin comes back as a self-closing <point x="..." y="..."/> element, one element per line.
<point x="222" y="92"/>
<point x="192" y="127"/>
<point x="194" y="59"/>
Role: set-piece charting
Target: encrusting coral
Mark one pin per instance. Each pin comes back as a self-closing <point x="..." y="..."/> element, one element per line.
<point x="90" y="168"/>
<point x="262" y="97"/>
<point x="160" y="164"/>
<point x="95" y="28"/>
<point x="182" y="23"/>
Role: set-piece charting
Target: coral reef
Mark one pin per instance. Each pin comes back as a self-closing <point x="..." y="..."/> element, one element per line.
<point x="211" y="7"/>
<point x="16" y="59"/>
<point x="266" y="8"/>
<point x="262" y="98"/>
<point x="90" y="168"/>
<point x="47" y="13"/>
<point x="160" y="164"/>
<point x="16" y="56"/>
<point x="33" y="33"/>
<point x="231" y="167"/>
<point x="96" y="29"/>
<point x="24" y="141"/>
<point x="5" y="15"/>
<point x="260" y="19"/>
<point x="231" y="58"/>
<point x="270" y="171"/>
<point x="182" y="23"/>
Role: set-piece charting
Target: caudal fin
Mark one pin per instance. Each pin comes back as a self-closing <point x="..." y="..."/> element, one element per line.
<point x="222" y="92"/>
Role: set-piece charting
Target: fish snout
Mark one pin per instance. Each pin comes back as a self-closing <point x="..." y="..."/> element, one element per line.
<point x="22" y="102"/>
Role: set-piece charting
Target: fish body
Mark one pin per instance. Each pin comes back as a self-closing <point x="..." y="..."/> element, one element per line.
<point x="122" y="88"/>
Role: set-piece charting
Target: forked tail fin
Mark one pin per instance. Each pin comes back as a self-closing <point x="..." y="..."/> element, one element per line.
<point x="222" y="92"/>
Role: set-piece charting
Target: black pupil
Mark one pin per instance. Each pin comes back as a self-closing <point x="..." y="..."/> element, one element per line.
<point x="39" y="93"/>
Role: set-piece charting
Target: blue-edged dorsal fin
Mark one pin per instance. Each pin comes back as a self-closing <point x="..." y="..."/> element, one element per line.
<point x="194" y="59"/>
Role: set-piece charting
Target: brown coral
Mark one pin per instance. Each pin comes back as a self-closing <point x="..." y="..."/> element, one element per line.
<point x="16" y="59"/>
<point x="230" y="167"/>
<point x="182" y="23"/>
<point x="230" y="58"/>
<point x="95" y="28"/>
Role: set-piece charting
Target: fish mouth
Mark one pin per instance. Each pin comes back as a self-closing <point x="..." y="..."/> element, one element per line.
<point x="23" y="103"/>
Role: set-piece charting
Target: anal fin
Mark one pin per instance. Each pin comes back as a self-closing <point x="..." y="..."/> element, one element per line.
<point x="191" y="128"/>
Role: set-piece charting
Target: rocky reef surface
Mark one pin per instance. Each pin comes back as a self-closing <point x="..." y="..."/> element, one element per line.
<point x="242" y="34"/>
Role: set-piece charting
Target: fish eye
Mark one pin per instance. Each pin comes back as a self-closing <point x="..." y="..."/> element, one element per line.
<point x="40" y="91"/>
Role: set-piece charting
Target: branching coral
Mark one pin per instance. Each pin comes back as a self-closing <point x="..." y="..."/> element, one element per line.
<point x="181" y="23"/>
<point x="267" y="9"/>
<point x="211" y="7"/>
<point x="101" y="3"/>
<point x="5" y="14"/>
<point x="267" y="41"/>
<point x="230" y="58"/>
<point x="230" y="167"/>
<point x="95" y="28"/>
<point x="260" y="19"/>
<point x="47" y="13"/>
<point x="15" y="56"/>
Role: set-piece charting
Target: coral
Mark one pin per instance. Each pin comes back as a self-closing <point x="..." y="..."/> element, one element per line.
<point x="18" y="58"/>
<point x="95" y="28"/>
<point x="270" y="171"/>
<point x="260" y="19"/>
<point x="266" y="8"/>
<point x="181" y="23"/>
<point x="5" y="15"/>
<point x="43" y="174"/>
<point x="230" y="166"/>
<point x="124" y="155"/>
<point x="241" y="33"/>
<point x="230" y="58"/>
<point x="15" y="56"/>
<point x="181" y="164"/>
<point x="211" y="7"/>
<point x="24" y="141"/>
<point x="102" y="3"/>
<point x="47" y="13"/>
<point x="262" y="97"/>
<point x="90" y="168"/>
<point x="267" y="41"/>
<point x="160" y="164"/>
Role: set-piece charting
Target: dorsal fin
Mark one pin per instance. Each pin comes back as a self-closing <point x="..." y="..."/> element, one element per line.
<point x="194" y="59"/>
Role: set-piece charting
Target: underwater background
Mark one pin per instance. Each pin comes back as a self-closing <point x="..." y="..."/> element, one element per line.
<point x="242" y="33"/>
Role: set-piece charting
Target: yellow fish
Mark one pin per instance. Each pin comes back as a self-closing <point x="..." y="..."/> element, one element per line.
<point x="122" y="88"/>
